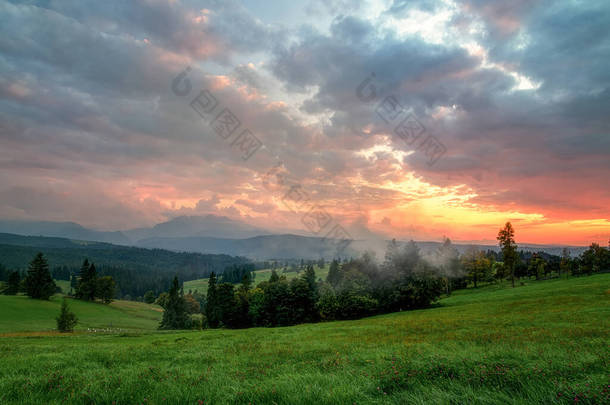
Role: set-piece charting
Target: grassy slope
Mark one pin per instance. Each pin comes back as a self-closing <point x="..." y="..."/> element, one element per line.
<point x="542" y="343"/>
<point x="21" y="314"/>
<point x="64" y="285"/>
<point x="201" y="284"/>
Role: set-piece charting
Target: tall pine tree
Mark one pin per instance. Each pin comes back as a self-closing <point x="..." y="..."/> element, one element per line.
<point x="211" y="304"/>
<point x="38" y="283"/>
<point x="506" y="240"/>
<point x="175" y="315"/>
<point x="66" y="321"/>
<point x="334" y="273"/>
<point x="12" y="286"/>
<point x="87" y="282"/>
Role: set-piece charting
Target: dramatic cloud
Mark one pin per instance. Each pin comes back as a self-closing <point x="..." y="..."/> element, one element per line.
<point x="92" y="129"/>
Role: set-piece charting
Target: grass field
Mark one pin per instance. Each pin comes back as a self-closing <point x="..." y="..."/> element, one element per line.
<point x="201" y="284"/>
<point x="22" y="314"/>
<point x="546" y="342"/>
<point x="64" y="285"/>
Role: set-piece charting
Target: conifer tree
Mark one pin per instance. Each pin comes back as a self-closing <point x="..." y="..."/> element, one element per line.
<point x="90" y="285"/>
<point x="310" y="277"/>
<point x="105" y="289"/>
<point x="226" y="305"/>
<point x="309" y="304"/>
<point x="66" y="321"/>
<point x="242" y="296"/>
<point x="506" y="240"/>
<point x="149" y="297"/>
<point x="211" y="310"/>
<point x="175" y="315"/>
<point x="38" y="282"/>
<point x="12" y="287"/>
<point x="83" y="282"/>
<point x="334" y="273"/>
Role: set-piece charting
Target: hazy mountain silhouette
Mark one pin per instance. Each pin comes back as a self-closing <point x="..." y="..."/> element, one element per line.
<point x="258" y="247"/>
<point x="222" y="235"/>
<point x="197" y="226"/>
<point x="69" y="230"/>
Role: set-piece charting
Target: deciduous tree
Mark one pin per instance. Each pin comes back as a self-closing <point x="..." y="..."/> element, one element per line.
<point x="105" y="289"/>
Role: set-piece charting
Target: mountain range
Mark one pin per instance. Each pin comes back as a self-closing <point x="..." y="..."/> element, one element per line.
<point x="179" y="227"/>
<point x="221" y="235"/>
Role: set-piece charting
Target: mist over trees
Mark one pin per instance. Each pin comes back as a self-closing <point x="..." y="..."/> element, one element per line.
<point x="353" y="289"/>
<point x="405" y="279"/>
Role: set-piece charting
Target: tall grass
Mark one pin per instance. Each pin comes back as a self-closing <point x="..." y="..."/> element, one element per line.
<point x="543" y="343"/>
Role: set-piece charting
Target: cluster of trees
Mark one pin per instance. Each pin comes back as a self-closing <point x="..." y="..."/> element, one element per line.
<point x="353" y="289"/>
<point x="135" y="270"/>
<point x="405" y="279"/>
<point x="39" y="283"/>
<point x="542" y="265"/>
<point x="235" y="274"/>
<point x="13" y="282"/>
<point x="175" y="310"/>
<point x="89" y="286"/>
<point x="291" y="265"/>
<point x="592" y="260"/>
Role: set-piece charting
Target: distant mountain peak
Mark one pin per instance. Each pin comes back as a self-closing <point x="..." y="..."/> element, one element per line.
<point x="209" y="225"/>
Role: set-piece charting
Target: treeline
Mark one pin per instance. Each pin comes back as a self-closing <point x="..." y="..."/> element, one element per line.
<point x="134" y="270"/>
<point x="89" y="286"/>
<point x="15" y="257"/>
<point x="405" y="279"/>
<point x="353" y="289"/>
<point x="292" y="265"/>
<point x="38" y="282"/>
<point x="490" y="266"/>
<point x="236" y="273"/>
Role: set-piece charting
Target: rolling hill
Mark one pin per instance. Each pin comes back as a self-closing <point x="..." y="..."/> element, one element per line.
<point x="16" y="251"/>
<point x="22" y="314"/>
<point x="545" y="342"/>
<point x="258" y="247"/>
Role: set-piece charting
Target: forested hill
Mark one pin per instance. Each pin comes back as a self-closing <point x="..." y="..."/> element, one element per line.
<point x="16" y="251"/>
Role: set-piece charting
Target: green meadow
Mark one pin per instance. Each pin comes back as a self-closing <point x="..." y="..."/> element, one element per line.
<point x="23" y="314"/>
<point x="201" y="284"/>
<point x="545" y="342"/>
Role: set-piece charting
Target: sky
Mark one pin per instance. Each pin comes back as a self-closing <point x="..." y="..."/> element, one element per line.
<point x="409" y="119"/>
